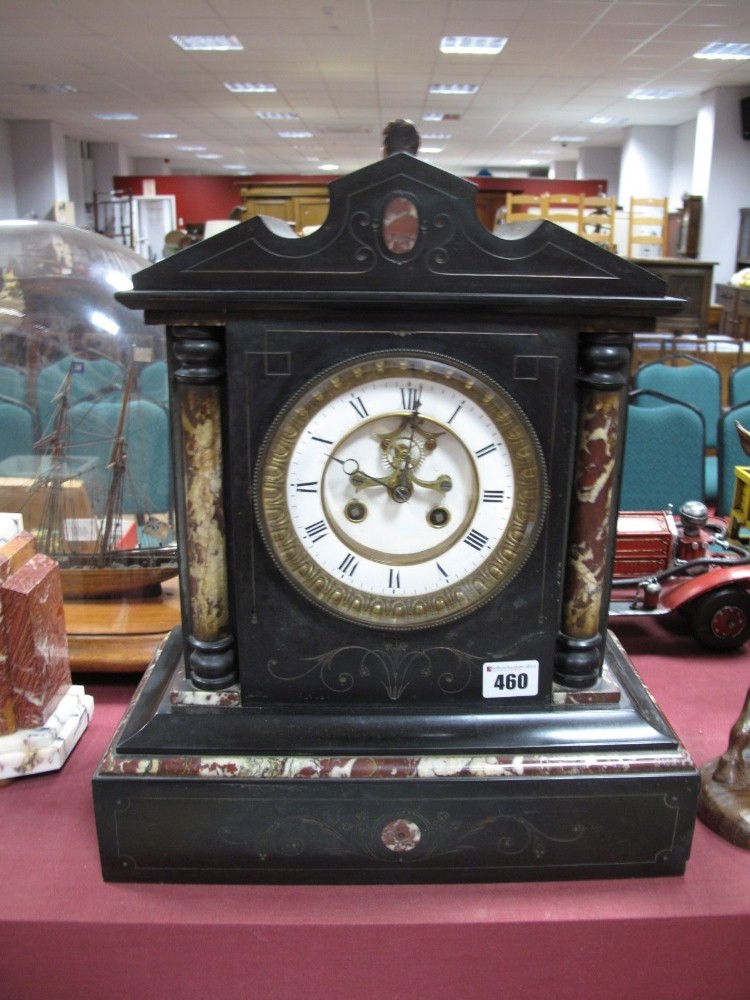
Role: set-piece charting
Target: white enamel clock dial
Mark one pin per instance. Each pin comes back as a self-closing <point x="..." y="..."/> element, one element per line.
<point x="401" y="490"/>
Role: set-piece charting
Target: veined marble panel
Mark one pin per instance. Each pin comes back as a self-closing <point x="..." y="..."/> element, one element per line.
<point x="47" y="747"/>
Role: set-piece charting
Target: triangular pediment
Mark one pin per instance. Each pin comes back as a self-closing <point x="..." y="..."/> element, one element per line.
<point x="398" y="226"/>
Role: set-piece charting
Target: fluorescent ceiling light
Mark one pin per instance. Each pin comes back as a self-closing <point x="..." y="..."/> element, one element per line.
<point x="159" y="135"/>
<point x="251" y="88"/>
<point x="436" y="135"/>
<point x="454" y="88"/>
<point x="191" y="149"/>
<point x="116" y="116"/>
<point x="430" y="149"/>
<point x="295" y="135"/>
<point x="209" y="156"/>
<point x="653" y="95"/>
<point x="236" y="166"/>
<point x="528" y="163"/>
<point x="433" y="116"/>
<point x="207" y="43"/>
<point x="568" y="138"/>
<point x="277" y="116"/>
<point x="472" y="45"/>
<point x="606" y="120"/>
<point x="328" y="167"/>
<point x="724" y="50"/>
<point x="50" y="88"/>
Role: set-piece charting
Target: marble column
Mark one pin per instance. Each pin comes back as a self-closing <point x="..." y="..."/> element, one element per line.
<point x="604" y="362"/>
<point x="199" y="354"/>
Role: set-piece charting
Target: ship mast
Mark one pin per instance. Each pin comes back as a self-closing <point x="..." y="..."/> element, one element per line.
<point x="51" y="535"/>
<point x="118" y="457"/>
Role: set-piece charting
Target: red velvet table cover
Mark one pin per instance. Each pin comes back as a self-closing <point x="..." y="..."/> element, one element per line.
<point x="67" y="933"/>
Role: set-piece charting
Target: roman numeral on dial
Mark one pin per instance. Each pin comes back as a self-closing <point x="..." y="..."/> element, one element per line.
<point x="359" y="407"/>
<point x="410" y="398"/>
<point x="316" y="531"/>
<point x="348" y="564"/>
<point x="476" y="539"/>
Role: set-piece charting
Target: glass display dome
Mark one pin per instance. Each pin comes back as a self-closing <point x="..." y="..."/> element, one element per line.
<point x="57" y="286"/>
<point x="84" y="449"/>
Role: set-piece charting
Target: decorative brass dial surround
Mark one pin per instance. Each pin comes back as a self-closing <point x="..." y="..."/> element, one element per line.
<point x="400" y="490"/>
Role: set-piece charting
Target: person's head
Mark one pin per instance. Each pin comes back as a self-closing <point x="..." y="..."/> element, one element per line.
<point x="400" y="136"/>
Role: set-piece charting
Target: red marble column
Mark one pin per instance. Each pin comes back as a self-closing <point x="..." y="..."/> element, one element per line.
<point x="604" y="365"/>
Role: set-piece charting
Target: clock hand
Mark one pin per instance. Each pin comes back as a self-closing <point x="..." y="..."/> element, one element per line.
<point x="358" y="477"/>
<point x="443" y="484"/>
<point x="398" y="490"/>
<point x="403" y="488"/>
<point x="406" y="477"/>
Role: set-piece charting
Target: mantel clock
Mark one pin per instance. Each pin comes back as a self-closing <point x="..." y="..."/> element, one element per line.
<point x="397" y="448"/>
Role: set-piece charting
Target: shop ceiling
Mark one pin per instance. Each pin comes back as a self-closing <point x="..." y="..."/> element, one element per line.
<point x="346" y="67"/>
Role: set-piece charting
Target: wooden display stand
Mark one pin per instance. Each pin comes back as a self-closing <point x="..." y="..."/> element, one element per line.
<point x="120" y="635"/>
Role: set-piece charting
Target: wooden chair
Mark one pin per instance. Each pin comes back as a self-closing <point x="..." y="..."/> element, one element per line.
<point x="596" y="220"/>
<point x="648" y="225"/>
<point x="562" y="208"/>
<point x="522" y="207"/>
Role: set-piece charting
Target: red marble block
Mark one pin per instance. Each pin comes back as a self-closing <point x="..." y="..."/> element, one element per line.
<point x="37" y="649"/>
<point x="13" y="555"/>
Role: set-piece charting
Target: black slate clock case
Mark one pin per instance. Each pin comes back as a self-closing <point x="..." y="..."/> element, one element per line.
<point x="283" y="635"/>
<point x="271" y="740"/>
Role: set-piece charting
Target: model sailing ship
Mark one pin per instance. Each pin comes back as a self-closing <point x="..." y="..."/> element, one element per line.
<point x="95" y="554"/>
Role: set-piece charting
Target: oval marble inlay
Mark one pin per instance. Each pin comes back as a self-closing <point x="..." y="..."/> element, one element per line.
<point x="400" y="225"/>
<point x="401" y="835"/>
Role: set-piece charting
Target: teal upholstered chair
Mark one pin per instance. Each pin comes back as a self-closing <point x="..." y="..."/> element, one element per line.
<point x="16" y="428"/>
<point x="147" y="487"/>
<point x="690" y="380"/>
<point x="89" y="379"/>
<point x="663" y="462"/>
<point x="153" y="382"/>
<point x="13" y="383"/>
<point x="730" y="453"/>
<point x="739" y="385"/>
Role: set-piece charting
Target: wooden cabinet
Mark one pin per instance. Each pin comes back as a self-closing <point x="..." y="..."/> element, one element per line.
<point x="301" y="205"/>
<point x="683" y="237"/>
<point x="686" y="279"/>
<point x="735" y="316"/>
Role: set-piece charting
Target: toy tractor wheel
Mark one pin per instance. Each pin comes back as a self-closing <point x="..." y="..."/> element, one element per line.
<point x="721" y="618"/>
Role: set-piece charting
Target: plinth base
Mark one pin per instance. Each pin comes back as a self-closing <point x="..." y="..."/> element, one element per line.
<point x="595" y="790"/>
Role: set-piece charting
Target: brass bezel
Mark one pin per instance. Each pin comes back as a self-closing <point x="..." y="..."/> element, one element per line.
<point x="386" y="611"/>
